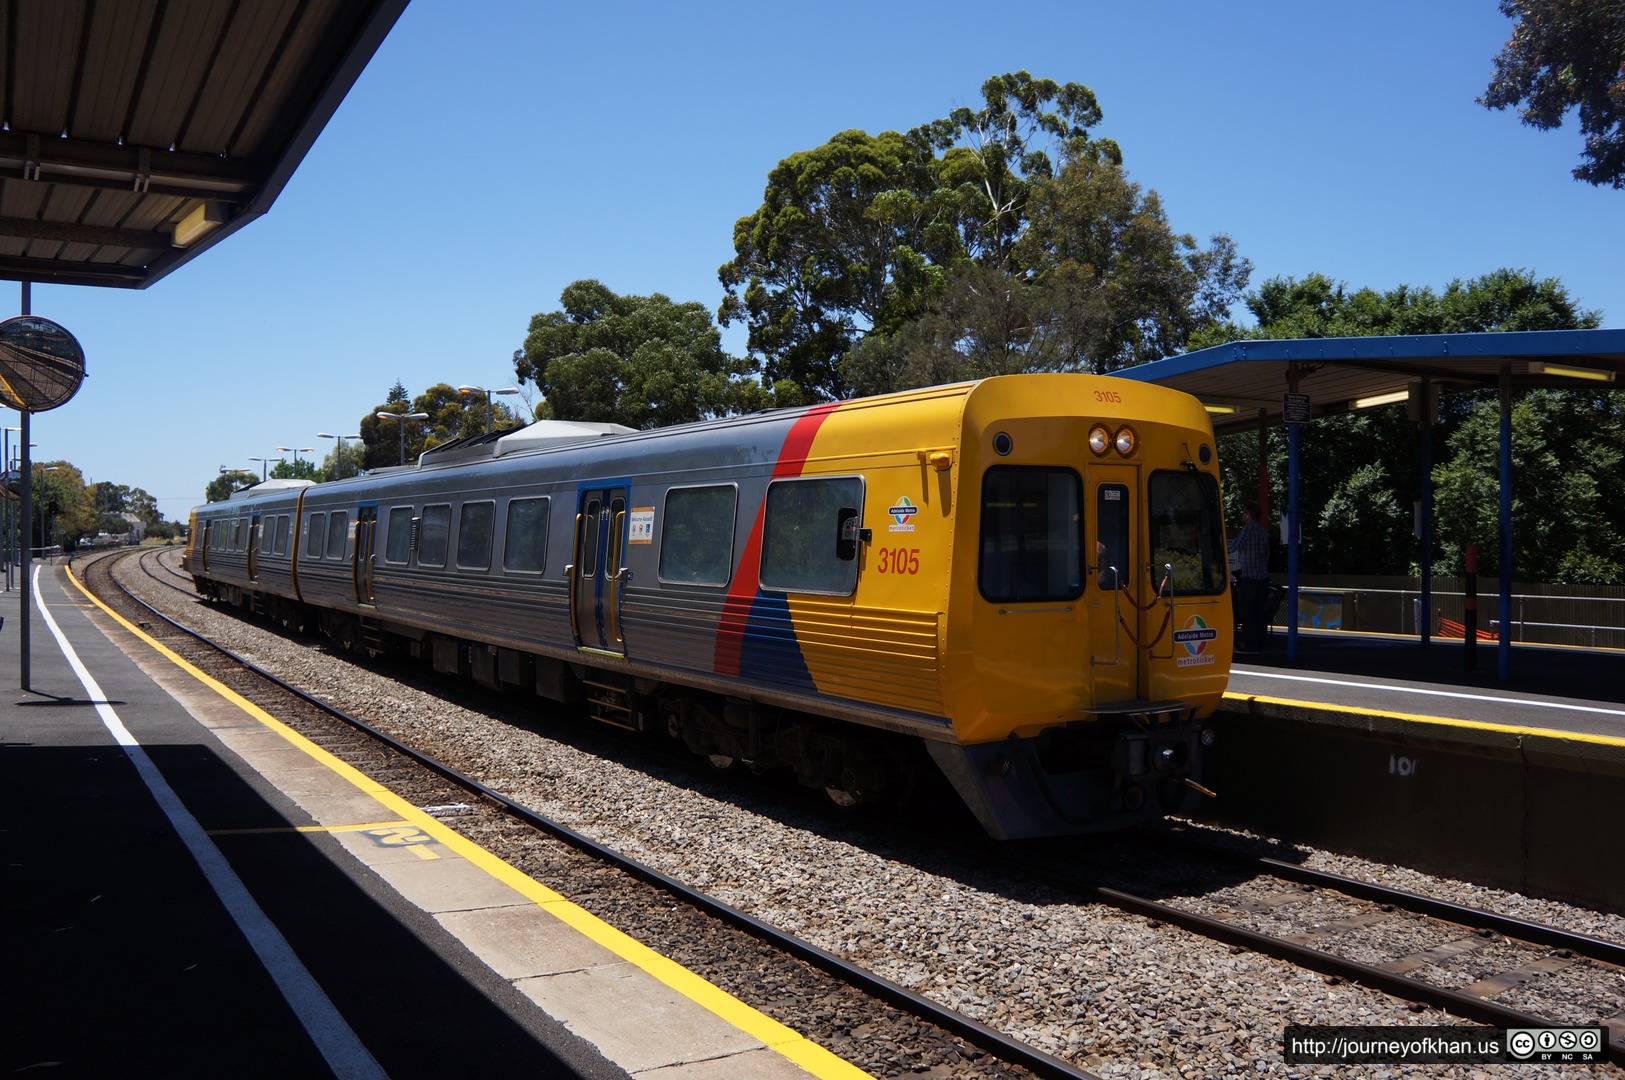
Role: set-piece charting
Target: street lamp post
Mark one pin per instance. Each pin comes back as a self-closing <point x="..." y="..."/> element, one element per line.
<point x="45" y="518"/>
<point x="265" y="466"/>
<point x="469" y="389"/>
<point x="296" y="451"/>
<point x="401" y="419"/>
<point x="8" y="545"/>
<point x="338" y="458"/>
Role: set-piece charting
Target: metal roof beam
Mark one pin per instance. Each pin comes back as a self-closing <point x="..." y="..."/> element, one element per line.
<point x="77" y="233"/>
<point x="32" y="156"/>
<point x="65" y="272"/>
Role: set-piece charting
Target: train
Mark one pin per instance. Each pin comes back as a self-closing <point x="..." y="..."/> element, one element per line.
<point x="1021" y="583"/>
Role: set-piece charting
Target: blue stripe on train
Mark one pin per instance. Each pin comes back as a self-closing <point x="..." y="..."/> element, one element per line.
<point x="770" y="652"/>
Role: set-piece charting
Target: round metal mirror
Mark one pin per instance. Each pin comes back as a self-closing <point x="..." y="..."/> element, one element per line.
<point x="41" y="364"/>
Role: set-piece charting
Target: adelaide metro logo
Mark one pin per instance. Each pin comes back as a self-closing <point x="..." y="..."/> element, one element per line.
<point x="902" y="512"/>
<point x="1195" y="636"/>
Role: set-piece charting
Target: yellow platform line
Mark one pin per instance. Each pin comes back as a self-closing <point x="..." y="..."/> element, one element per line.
<point x="1423" y="718"/>
<point x="778" y="1037"/>
<point x="310" y="829"/>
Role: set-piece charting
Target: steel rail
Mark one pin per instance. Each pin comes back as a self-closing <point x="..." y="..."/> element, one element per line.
<point x="1466" y="1006"/>
<point x="990" y="1039"/>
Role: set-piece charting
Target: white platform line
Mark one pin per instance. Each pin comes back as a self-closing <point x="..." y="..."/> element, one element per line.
<point x="333" y="1037"/>
<point x="1533" y="702"/>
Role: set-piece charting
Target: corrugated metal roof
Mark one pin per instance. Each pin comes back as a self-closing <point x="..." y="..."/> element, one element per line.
<point x="136" y="134"/>
<point x="1251" y="377"/>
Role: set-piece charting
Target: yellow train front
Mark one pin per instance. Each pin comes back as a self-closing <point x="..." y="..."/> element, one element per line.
<point x="1066" y="533"/>
<point x="1025" y="576"/>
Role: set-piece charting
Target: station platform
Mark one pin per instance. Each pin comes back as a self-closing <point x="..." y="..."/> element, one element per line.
<point x="192" y="890"/>
<point x="1388" y="748"/>
<point x="1552" y="688"/>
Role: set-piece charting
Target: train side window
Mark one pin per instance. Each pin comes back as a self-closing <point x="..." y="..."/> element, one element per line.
<point x="588" y="558"/>
<point x="801" y="533"/>
<point x="525" y="543"/>
<point x="434" y="535"/>
<point x="398" y="541"/>
<point x="474" y="535"/>
<point x="280" y="545"/>
<point x="697" y="535"/>
<point x="1031" y="547"/>
<point x="241" y="538"/>
<point x="315" y="536"/>
<point x="1187" y="532"/>
<point x="267" y="532"/>
<point x="338" y="528"/>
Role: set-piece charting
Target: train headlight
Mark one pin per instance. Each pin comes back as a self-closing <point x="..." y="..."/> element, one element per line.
<point x="1125" y="441"/>
<point x="1208" y="737"/>
<point x="1100" y="440"/>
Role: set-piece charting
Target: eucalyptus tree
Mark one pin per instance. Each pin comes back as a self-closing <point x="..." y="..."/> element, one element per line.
<point x="642" y="361"/>
<point x="861" y="236"/>
<point x="1000" y="238"/>
<point x="1568" y="55"/>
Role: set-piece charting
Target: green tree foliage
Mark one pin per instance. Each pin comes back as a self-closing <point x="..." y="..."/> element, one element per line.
<point x="1003" y="238"/>
<point x="642" y="361"/>
<point x="1563" y="55"/>
<point x="451" y="415"/>
<point x="63" y="510"/>
<point x="1567" y="448"/>
<point x="1105" y="284"/>
<point x="846" y="240"/>
<point x="295" y="469"/>
<point x="1357" y="497"/>
<point x="119" y="499"/>
<point x="221" y="487"/>
<point x="382" y="439"/>
<point x="350" y="463"/>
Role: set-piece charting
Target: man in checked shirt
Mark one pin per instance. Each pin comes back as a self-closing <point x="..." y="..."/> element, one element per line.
<point x="1251" y="547"/>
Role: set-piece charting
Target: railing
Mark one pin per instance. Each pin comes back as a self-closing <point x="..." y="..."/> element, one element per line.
<point x="1545" y="614"/>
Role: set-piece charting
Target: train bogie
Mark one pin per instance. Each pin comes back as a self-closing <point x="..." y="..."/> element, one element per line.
<point x="1025" y="577"/>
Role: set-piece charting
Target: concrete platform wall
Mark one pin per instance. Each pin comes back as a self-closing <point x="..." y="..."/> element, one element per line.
<point x="1518" y="810"/>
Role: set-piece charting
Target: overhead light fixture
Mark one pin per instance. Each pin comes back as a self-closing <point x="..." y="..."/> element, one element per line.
<point x="1219" y="410"/>
<point x="203" y="218"/>
<point x="1373" y="401"/>
<point x="1538" y="367"/>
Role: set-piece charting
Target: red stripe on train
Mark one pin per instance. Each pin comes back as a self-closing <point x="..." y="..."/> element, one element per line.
<point x="742" y="593"/>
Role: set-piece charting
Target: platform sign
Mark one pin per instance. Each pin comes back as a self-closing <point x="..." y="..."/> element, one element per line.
<point x="1295" y="408"/>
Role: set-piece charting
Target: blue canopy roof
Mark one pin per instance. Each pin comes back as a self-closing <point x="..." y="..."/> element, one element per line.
<point x="1242" y="382"/>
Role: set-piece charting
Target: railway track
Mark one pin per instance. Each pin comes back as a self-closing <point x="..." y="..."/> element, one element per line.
<point x="1268" y="914"/>
<point x="1269" y="907"/>
<point x="468" y="799"/>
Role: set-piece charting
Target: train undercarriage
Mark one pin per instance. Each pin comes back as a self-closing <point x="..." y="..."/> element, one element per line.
<point x="1101" y="772"/>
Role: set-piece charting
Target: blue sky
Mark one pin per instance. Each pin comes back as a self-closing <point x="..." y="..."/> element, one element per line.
<point x="493" y="153"/>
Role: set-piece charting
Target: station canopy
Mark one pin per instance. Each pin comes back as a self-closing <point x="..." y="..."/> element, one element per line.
<point x="137" y="134"/>
<point x="1245" y="384"/>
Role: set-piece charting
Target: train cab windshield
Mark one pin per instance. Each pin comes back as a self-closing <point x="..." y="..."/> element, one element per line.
<point x="1187" y="532"/>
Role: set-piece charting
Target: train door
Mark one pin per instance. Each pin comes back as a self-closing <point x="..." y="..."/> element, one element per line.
<point x="254" y="547"/>
<point x="1116" y="582"/>
<point x="597" y="576"/>
<point x="366" y="530"/>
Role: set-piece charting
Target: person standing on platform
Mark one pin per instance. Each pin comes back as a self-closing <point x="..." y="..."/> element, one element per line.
<point x="1251" y="547"/>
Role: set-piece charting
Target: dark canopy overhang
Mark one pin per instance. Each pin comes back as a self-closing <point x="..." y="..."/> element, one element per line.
<point x="136" y="135"/>
<point x="1243" y="382"/>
